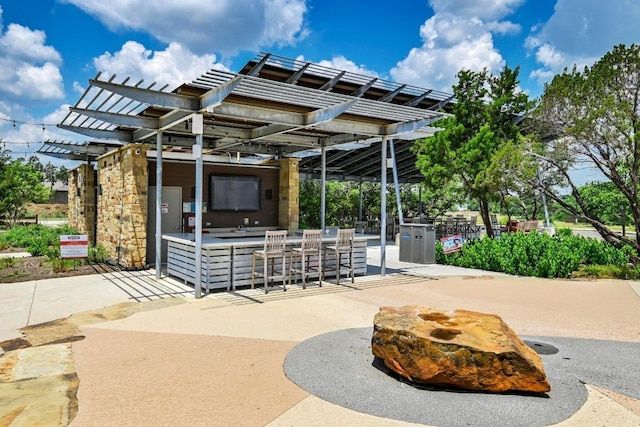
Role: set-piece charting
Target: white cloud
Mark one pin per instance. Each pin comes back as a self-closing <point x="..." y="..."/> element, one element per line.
<point x="504" y="27"/>
<point x="225" y="26"/>
<point x="174" y="65"/>
<point x="550" y="57"/>
<point x="29" y="69"/>
<point x="22" y="43"/>
<point x="581" y="31"/>
<point x="458" y="36"/>
<point x="78" y="88"/>
<point x="436" y="63"/>
<point x="342" y="63"/>
<point x="437" y="68"/>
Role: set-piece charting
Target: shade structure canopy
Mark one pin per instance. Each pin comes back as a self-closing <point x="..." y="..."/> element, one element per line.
<point x="274" y="107"/>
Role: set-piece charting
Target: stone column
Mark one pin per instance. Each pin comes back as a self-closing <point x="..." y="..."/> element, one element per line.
<point x="289" y="203"/>
<point x="122" y="205"/>
<point x="82" y="200"/>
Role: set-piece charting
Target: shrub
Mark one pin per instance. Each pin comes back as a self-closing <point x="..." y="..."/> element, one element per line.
<point x="98" y="254"/>
<point x="607" y="272"/>
<point x="59" y="265"/>
<point x="7" y="262"/>
<point x="535" y="254"/>
<point x="36" y="239"/>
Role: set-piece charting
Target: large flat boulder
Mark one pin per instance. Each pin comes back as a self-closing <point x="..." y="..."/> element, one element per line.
<point x="458" y="348"/>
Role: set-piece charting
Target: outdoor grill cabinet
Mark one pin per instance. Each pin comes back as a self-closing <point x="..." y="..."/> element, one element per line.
<point x="418" y="243"/>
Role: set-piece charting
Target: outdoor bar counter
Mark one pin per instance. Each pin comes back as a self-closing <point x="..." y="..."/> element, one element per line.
<point x="227" y="256"/>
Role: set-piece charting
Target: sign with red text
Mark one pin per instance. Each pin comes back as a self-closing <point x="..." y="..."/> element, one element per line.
<point x="74" y="246"/>
<point x="452" y="244"/>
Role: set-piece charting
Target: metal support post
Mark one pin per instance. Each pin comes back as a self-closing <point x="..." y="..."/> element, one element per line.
<point x="383" y="206"/>
<point x="395" y="181"/>
<point x="197" y="126"/>
<point x="159" y="205"/>
<point x="323" y="186"/>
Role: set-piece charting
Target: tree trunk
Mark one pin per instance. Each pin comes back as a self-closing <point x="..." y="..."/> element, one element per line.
<point x="486" y="219"/>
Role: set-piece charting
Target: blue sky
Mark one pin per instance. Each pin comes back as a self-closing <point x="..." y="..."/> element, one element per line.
<point x="50" y="48"/>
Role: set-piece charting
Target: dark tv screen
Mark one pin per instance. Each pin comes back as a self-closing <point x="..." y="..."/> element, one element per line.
<point x="234" y="193"/>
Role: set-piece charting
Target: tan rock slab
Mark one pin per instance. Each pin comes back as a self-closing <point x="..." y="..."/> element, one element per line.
<point x="38" y="386"/>
<point x="458" y="348"/>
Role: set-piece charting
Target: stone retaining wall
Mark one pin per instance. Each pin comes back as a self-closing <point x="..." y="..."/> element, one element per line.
<point x="82" y="200"/>
<point x="289" y="203"/>
<point x="122" y="205"/>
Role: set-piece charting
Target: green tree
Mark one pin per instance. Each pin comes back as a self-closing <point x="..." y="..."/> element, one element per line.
<point x="514" y="172"/>
<point x="20" y="184"/>
<point x="309" y="204"/>
<point x="592" y="118"/>
<point x="604" y="202"/>
<point x="62" y="175"/>
<point x="49" y="173"/>
<point x="484" y="121"/>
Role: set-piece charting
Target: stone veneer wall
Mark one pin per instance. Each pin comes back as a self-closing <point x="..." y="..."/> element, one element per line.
<point x="82" y="200"/>
<point x="289" y="203"/>
<point x="122" y="205"/>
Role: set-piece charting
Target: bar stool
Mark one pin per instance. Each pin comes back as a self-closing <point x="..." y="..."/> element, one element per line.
<point x="311" y="246"/>
<point x="274" y="247"/>
<point x="343" y="246"/>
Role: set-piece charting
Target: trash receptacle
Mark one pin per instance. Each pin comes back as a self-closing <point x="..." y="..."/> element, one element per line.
<point x="406" y="243"/>
<point x="418" y="243"/>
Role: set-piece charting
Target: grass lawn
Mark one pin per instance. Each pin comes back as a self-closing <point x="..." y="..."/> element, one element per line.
<point x="582" y="225"/>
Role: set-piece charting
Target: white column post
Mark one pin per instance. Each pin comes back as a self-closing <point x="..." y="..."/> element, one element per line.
<point x="396" y="184"/>
<point x="383" y="206"/>
<point x="323" y="186"/>
<point x="158" y="205"/>
<point x="197" y="129"/>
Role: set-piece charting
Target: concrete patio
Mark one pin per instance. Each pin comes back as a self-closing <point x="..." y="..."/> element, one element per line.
<point x="146" y="352"/>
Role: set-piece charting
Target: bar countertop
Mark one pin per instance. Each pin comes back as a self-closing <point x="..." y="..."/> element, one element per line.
<point x="239" y="238"/>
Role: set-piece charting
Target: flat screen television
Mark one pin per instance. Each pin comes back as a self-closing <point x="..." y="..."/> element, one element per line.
<point x="234" y="193"/>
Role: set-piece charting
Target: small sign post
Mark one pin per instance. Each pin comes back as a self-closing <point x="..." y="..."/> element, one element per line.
<point x="74" y="246"/>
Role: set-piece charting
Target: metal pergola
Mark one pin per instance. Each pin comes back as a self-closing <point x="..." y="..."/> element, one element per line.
<point x="274" y="107"/>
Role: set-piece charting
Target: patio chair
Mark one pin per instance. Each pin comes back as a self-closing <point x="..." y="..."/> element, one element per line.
<point x="530" y="225"/>
<point x="342" y="246"/>
<point x="450" y="226"/>
<point x="274" y="248"/>
<point x="472" y="227"/>
<point x="361" y="227"/>
<point x="311" y="246"/>
<point x="495" y="225"/>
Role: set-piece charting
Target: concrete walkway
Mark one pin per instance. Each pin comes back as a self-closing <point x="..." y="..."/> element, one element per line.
<point x="220" y="360"/>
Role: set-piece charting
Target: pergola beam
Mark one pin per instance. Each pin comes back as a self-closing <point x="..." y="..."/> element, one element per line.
<point x="331" y="83"/>
<point x="151" y="97"/>
<point x="214" y="97"/>
<point x="96" y="150"/>
<point x="326" y="114"/>
<point x="418" y="99"/>
<point x="123" y="136"/>
<point x="296" y="120"/>
<point x="258" y="67"/>
<point x="411" y="126"/>
<point x="118" y="119"/>
<point x="365" y="87"/>
<point x="388" y="97"/>
<point x="293" y="79"/>
<point x="442" y="103"/>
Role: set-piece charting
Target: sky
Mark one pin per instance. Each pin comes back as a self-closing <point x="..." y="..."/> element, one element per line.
<point x="49" y="49"/>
